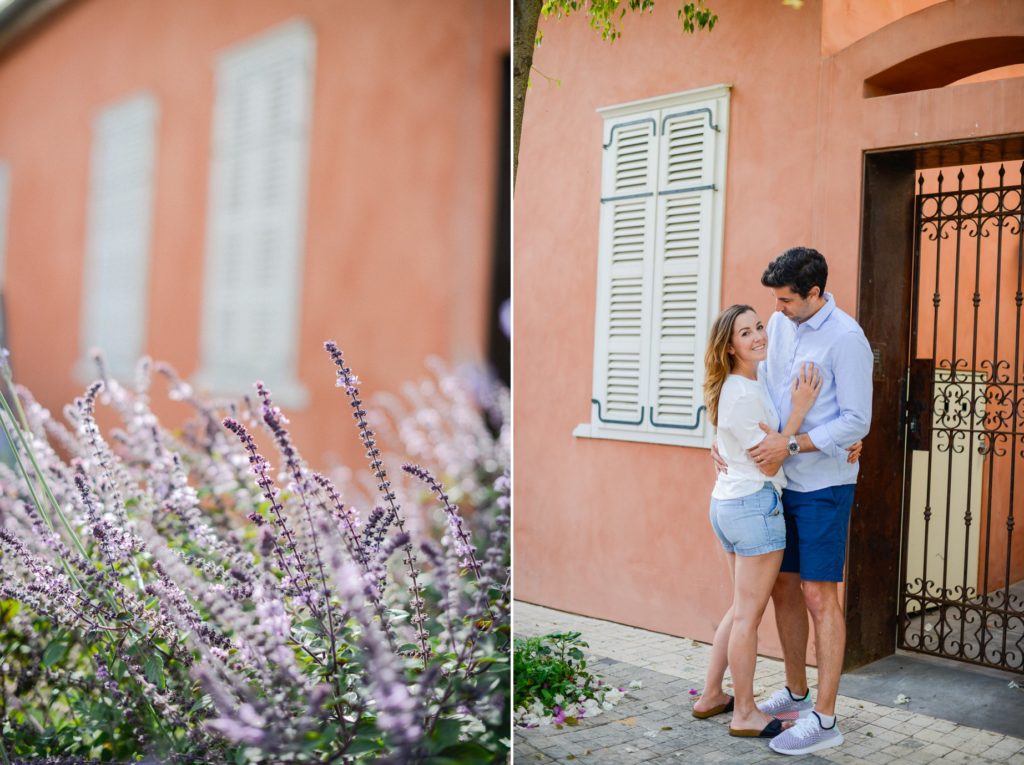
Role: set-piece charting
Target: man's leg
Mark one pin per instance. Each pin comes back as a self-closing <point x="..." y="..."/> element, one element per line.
<point x="829" y="641"/>
<point x="791" y="622"/>
<point x="788" y="598"/>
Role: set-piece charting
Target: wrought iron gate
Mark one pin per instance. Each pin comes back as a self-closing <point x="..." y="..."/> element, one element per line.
<point x="962" y="560"/>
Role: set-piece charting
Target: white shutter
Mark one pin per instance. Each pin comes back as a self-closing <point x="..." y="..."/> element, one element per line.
<point x="659" y="264"/>
<point x="257" y="214"/>
<point x="122" y="172"/>
<point x="627" y="242"/>
<point x="5" y="202"/>
<point x="681" y="268"/>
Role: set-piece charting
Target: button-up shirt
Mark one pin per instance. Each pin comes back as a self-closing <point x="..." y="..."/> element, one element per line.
<point x="842" y="412"/>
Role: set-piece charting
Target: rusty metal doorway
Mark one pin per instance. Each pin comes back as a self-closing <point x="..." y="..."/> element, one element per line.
<point x="961" y="558"/>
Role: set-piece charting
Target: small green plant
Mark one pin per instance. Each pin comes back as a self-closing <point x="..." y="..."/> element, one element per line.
<point x="552" y="684"/>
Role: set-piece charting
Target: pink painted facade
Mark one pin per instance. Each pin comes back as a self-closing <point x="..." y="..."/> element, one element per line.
<point x="401" y="194"/>
<point x="618" y="529"/>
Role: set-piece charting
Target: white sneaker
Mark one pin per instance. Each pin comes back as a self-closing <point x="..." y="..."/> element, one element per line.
<point x="781" y="704"/>
<point x="807" y="736"/>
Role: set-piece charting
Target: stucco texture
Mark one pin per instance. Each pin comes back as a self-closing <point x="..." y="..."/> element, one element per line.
<point x="619" y="530"/>
<point x="400" y="217"/>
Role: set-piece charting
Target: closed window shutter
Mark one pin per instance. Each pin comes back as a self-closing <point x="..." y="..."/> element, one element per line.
<point x="257" y="219"/>
<point x="682" y="268"/>
<point x="627" y="242"/>
<point x="658" y="267"/>
<point x="122" y="172"/>
<point x="5" y="199"/>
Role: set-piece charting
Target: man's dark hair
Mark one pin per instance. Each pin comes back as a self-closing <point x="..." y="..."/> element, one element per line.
<point x="798" y="268"/>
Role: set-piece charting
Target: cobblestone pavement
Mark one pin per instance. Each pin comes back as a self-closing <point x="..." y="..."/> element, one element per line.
<point x="652" y="724"/>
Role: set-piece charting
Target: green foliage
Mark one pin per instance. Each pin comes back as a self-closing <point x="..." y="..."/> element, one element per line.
<point x="696" y="16"/>
<point x="604" y="15"/>
<point x="551" y="667"/>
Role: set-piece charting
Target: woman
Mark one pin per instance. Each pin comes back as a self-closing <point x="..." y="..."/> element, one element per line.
<point x="746" y="507"/>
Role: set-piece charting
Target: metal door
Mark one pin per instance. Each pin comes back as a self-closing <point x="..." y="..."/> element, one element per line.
<point x="962" y="561"/>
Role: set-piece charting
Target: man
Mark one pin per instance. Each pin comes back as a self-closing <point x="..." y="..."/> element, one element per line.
<point x="807" y="326"/>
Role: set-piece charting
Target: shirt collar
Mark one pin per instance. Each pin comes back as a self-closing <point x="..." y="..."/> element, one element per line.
<point x="823" y="313"/>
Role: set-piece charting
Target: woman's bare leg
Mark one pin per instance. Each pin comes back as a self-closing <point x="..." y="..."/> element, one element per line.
<point x="713" y="694"/>
<point x="755" y="577"/>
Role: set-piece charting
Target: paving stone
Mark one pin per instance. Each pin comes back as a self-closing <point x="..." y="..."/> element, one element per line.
<point x="936" y="750"/>
<point x="652" y="724"/>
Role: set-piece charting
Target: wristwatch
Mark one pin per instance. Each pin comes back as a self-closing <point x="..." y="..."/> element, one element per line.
<point x="793" y="446"/>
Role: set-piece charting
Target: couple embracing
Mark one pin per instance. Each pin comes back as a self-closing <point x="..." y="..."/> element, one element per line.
<point x="791" y="402"/>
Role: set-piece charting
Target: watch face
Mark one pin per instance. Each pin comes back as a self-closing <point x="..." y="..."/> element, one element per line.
<point x="794" y="448"/>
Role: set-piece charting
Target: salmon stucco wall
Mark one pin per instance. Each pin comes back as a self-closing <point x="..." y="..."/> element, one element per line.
<point x="619" y="530"/>
<point x="401" y="185"/>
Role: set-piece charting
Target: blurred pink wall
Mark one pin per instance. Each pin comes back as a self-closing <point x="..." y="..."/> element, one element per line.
<point x="401" y="192"/>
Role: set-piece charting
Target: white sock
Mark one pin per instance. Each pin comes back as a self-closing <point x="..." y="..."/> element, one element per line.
<point x="827" y="721"/>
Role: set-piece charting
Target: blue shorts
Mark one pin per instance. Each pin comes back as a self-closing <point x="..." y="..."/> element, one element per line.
<point x="750" y="525"/>
<point x="816" y="527"/>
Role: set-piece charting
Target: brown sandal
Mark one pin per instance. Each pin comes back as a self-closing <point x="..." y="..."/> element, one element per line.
<point x="771" y="730"/>
<point x="720" y="709"/>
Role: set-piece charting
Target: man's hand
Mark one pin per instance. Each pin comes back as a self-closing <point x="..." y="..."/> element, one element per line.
<point x="771" y="452"/>
<point x="853" y="453"/>
<point x="720" y="464"/>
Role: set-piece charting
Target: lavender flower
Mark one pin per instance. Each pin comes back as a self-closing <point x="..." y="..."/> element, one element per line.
<point x="350" y="383"/>
<point x="398" y="714"/>
<point x="460" y="537"/>
<point x="185" y="629"/>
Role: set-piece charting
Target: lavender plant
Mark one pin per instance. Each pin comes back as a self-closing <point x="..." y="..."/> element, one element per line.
<point x="457" y="422"/>
<point x="169" y="594"/>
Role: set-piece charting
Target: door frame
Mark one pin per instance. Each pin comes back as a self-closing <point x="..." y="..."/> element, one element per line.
<point x="884" y="293"/>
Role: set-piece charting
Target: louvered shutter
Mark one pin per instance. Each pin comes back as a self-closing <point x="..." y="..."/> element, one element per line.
<point x="5" y="199"/>
<point x="257" y="218"/>
<point x="659" y="265"/>
<point x="627" y="243"/>
<point x="122" y="171"/>
<point x="681" y="268"/>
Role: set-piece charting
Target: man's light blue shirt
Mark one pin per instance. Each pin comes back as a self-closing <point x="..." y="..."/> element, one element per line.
<point x="841" y="414"/>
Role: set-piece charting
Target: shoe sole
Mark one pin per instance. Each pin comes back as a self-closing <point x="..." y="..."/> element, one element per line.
<point x="827" y="743"/>
<point x="720" y="709"/>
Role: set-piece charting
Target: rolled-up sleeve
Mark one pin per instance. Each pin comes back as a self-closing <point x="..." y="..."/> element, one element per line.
<point x="853" y="365"/>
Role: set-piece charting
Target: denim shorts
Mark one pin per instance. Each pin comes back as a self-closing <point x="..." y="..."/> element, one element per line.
<point x="750" y="525"/>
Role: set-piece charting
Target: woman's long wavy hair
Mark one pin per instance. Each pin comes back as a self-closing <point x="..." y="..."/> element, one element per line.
<point x="718" y="363"/>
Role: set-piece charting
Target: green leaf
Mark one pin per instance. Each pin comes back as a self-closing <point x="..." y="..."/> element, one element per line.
<point x="363" y="744"/>
<point x="465" y="753"/>
<point x="154" y="670"/>
<point x="55" y="653"/>
<point x="444" y="735"/>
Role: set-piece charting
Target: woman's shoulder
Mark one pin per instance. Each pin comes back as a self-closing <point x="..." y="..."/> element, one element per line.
<point x="736" y="388"/>
<point x="739" y="383"/>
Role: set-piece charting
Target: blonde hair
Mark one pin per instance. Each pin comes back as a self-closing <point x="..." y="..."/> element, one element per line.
<point x="718" y="362"/>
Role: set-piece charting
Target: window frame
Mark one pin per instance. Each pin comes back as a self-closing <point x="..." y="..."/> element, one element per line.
<point x="294" y="44"/>
<point x="5" y="217"/>
<point x="109" y="174"/>
<point x="715" y="100"/>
